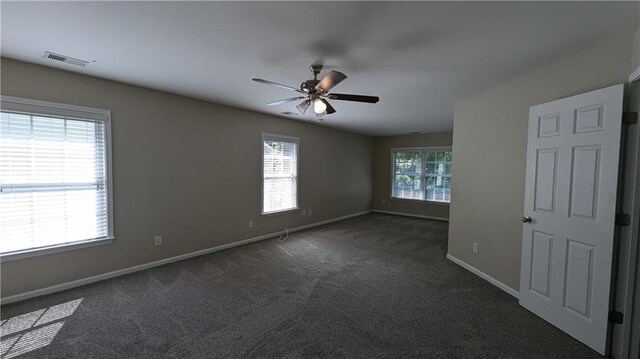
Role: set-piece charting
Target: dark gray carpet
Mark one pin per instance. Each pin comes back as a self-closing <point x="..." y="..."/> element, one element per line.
<point x="375" y="286"/>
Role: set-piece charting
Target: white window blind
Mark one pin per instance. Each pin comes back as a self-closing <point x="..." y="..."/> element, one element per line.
<point x="280" y="173"/>
<point x="422" y="174"/>
<point x="53" y="181"/>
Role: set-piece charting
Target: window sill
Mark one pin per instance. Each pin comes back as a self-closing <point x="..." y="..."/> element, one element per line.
<point x="286" y="211"/>
<point x="28" y="253"/>
<point x="419" y="201"/>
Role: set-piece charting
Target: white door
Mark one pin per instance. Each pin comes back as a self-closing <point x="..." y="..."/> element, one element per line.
<point x="569" y="213"/>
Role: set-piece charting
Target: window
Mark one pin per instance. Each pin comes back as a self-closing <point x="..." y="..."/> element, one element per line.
<point x="422" y="174"/>
<point x="279" y="173"/>
<point x="54" y="176"/>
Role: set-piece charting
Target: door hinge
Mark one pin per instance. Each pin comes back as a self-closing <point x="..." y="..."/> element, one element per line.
<point x="629" y="118"/>
<point x="616" y="317"/>
<point x="623" y="219"/>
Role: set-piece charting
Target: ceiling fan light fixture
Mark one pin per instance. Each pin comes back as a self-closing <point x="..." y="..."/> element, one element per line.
<point x="319" y="106"/>
<point x="316" y="92"/>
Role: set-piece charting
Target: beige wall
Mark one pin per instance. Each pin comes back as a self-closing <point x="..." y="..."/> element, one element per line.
<point x="189" y="170"/>
<point x="489" y="145"/>
<point x="635" y="57"/>
<point x="382" y="174"/>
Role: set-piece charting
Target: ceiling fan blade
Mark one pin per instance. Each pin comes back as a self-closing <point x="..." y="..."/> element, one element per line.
<point x="331" y="79"/>
<point x="303" y="106"/>
<point x="330" y="108"/>
<point x="356" y="98"/>
<point x="280" y="102"/>
<point x="286" y="87"/>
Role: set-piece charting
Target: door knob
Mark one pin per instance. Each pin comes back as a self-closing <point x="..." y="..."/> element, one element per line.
<point x="525" y="219"/>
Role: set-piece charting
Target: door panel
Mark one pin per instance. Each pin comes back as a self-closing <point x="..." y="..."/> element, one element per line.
<point x="541" y="254"/>
<point x="545" y="190"/>
<point x="578" y="269"/>
<point x="570" y="193"/>
<point x="549" y="125"/>
<point x="585" y="173"/>
<point x="588" y="119"/>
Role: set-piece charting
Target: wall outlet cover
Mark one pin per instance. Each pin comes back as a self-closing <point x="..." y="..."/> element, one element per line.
<point x="157" y="240"/>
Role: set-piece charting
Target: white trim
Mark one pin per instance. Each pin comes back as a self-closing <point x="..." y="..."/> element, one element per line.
<point x="422" y="149"/>
<point x="412" y="215"/>
<point x="276" y="137"/>
<point x="484" y="276"/>
<point x="37" y="107"/>
<point x="635" y="75"/>
<point x="119" y="272"/>
<point x="108" y="145"/>
<point x="629" y="291"/>
<point x="283" y="211"/>
<point x="437" y="203"/>
<point x="64" y="247"/>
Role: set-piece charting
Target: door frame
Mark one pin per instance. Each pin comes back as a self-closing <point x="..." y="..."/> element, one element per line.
<point x="627" y="289"/>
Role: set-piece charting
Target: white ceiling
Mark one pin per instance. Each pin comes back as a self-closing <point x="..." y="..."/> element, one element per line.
<point x="419" y="57"/>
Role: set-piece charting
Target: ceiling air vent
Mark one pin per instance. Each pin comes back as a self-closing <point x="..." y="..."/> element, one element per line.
<point x="65" y="59"/>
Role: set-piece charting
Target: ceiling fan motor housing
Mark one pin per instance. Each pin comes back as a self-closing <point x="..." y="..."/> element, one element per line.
<point x="309" y="86"/>
<point x="315" y="69"/>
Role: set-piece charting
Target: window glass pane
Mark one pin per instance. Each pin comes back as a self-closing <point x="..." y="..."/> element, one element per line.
<point x="280" y="158"/>
<point x="279" y="194"/>
<point x="438" y="168"/>
<point x="409" y="163"/>
<point x="406" y="186"/>
<point x="438" y="189"/>
<point x="52" y="181"/>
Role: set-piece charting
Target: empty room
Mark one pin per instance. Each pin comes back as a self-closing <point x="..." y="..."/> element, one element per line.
<point x="319" y="179"/>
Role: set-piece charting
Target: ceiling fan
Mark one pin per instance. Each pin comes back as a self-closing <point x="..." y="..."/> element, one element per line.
<point x="316" y="92"/>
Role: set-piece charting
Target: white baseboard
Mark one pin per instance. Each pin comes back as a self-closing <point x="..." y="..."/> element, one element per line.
<point x="483" y="275"/>
<point x="411" y="215"/>
<point x="119" y="272"/>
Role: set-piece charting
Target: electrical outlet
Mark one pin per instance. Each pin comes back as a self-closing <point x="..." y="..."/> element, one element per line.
<point x="310" y="212"/>
<point x="304" y="212"/>
<point x="250" y="224"/>
<point x="475" y="247"/>
<point x="384" y="201"/>
<point x="157" y="240"/>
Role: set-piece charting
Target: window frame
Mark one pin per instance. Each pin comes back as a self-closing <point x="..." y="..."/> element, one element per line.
<point x="54" y="109"/>
<point x="394" y="150"/>
<point x="284" y="138"/>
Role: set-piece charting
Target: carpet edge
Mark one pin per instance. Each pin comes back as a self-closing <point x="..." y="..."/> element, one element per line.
<point x="444" y="219"/>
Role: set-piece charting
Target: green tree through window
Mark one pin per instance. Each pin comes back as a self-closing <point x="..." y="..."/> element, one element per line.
<point x="422" y="174"/>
